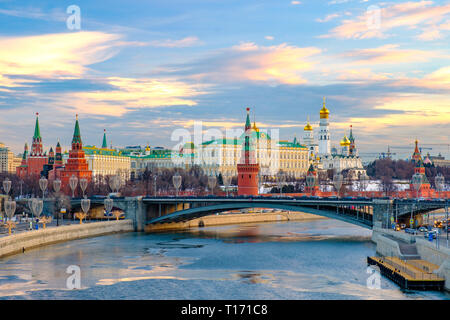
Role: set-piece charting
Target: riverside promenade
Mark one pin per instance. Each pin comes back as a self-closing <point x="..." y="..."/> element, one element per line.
<point x="408" y="248"/>
<point x="24" y="241"/>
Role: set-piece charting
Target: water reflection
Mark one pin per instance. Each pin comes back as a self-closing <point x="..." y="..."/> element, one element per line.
<point x="295" y="260"/>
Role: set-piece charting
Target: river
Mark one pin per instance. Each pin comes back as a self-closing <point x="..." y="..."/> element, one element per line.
<point x="318" y="259"/>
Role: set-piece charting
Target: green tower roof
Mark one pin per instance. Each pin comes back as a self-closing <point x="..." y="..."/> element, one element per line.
<point x="37" y="131"/>
<point x="76" y="132"/>
<point x="247" y="121"/>
<point x="104" y="144"/>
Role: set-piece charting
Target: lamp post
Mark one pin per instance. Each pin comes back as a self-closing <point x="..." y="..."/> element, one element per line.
<point x="6" y="186"/>
<point x="337" y="182"/>
<point x="73" y="181"/>
<point x="212" y="183"/>
<point x="36" y="207"/>
<point x="108" y="206"/>
<point x="440" y="183"/>
<point x="176" y="179"/>
<point x="281" y="177"/>
<point x="226" y="182"/>
<point x="83" y="185"/>
<point x="416" y="181"/>
<point x="56" y="188"/>
<point x="85" y="205"/>
<point x="10" y="209"/>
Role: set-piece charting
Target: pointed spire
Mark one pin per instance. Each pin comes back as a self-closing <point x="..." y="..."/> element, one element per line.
<point x="76" y="133"/>
<point x="104" y="144"/>
<point x="58" y="145"/>
<point x="352" y="139"/>
<point x="37" y="131"/>
<point x="25" y="151"/>
<point x="247" y="121"/>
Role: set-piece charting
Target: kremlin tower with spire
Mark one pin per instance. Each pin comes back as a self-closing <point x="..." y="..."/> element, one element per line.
<point x="248" y="169"/>
<point x="76" y="163"/>
<point x="33" y="162"/>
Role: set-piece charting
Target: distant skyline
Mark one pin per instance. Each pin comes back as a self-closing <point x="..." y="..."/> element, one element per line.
<point x="144" y="69"/>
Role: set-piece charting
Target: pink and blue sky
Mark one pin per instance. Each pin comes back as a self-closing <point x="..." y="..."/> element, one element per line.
<point x="141" y="69"/>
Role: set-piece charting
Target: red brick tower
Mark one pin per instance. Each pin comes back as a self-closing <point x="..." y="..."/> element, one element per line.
<point x="312" y="176"/>
<point x="248" y="169"/>
<point x="420" y="169"/>
<point x="76" y="164"/>
<point x="37" y="158"/>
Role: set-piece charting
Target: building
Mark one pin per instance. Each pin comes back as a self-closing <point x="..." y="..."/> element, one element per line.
<point x="33" y="162"/>
<point x="76" y="164"/>
<point x="248" y="168"/>
<point x="440" y="161"/>
<point x="221" y="156"/>
<point x="105" y="161"/>
<point x="325" y="157"/>
<point x="8" y="161"/>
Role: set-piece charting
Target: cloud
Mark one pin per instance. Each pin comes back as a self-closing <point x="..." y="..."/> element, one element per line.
<point x="295" y="3"/>
<point x="168" y="43"/>
<point x="329" y="17"/>
<point x="55" y="55"/>
<point x="250" y="62"/>
<point x="411" y="15"/>
<point x="129" y="94"/>
<point x="389" y="53"/>
<point x="269" y="37"/>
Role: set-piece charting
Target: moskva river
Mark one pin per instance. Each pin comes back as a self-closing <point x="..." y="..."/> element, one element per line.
<point x="320" y="259"/>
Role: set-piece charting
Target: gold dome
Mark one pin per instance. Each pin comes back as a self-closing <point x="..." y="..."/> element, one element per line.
<point x="324" y="111"/>
<point x="345" y="141"/>
<point x="308" y="127"/>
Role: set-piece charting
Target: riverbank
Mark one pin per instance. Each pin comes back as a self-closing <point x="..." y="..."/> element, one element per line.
<point x="408" y="247"/>
<point x="233" y="218"/>
<point x="21" y="242"/>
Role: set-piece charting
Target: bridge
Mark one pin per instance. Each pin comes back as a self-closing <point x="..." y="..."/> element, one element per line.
<point x="364" y="212"/>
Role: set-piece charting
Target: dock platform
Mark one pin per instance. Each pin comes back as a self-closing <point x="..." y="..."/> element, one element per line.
<point x="410" y="274"/>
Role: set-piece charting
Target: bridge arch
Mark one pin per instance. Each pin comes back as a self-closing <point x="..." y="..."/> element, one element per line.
<point x="197" y="212"/>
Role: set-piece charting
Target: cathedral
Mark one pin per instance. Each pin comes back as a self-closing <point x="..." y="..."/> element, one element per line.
<point x="323" y="156"/>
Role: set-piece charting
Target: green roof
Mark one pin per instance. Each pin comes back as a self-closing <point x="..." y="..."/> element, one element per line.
<point x="104" y="144"/>
<point x="37" y="131"/>
<point x="76" y="133"/>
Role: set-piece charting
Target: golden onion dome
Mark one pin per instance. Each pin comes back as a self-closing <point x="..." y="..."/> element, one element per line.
<point x="308" y="127"/>
<point x="345" y="142"/>
<point x="324" y="112"/>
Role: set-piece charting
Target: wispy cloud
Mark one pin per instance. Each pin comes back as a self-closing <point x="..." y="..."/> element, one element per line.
<point x="421" y="15"/>
<point x="169" y="43"/>
<point x="251" y="62"/>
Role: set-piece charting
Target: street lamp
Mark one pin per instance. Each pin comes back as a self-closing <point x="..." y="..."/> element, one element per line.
<point x="416" y="181"/>
<point x="73" y="181"/>
<point x="176" y="179"/>
<point x="108" y="206"/>
<point x="10" y="209"/>
<point x="226" y="182"/>
<point x="337" y="182"/>
<point x="36" y="207"/>
<point x="281" y="177"/>
<point x="83" y="185"/>
<point x="85" y="205"/>
<point x="440" y="183"/>
<point x="6" y="185"/>
<point x="56" y="188"/>
<point x="212" y="183"/>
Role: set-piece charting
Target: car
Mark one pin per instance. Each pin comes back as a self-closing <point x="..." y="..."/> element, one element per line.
<point x="423" y="229"/>
<point x="410" y="230"/>
<point x="402" y="226"/>
<point x="397" y="228"/>
<point x="432" y="233"/>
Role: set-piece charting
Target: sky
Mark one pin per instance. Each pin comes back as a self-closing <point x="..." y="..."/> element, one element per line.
<point x="142" y="69"/>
